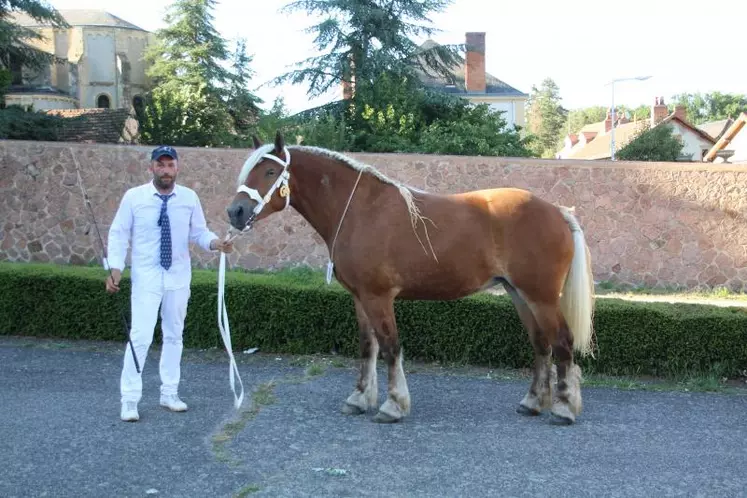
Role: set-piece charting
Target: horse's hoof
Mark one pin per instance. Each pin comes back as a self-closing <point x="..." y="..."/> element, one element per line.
<point x="385" y="418"/>
<point x="349" y="409"/>
<point x="556" y="419"/>
<point x="523" y="410"/>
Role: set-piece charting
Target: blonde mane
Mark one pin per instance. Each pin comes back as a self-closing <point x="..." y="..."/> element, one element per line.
<point x="405" y="191"/>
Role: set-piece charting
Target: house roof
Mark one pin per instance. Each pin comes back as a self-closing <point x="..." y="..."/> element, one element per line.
<point x="599" y="147"/>
<point x="727" y="136"/>
<point x="494" y="86"/>
<point x="592" y="128"/>
<point x="79" y="17"/>
<point x="716" y="128"/>
<point x="705" y="136"/>
<point x="30" y="89"/>
<point x="93" y="125"/>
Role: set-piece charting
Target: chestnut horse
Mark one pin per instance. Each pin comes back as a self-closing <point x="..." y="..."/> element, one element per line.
<point x="389" y="241"/>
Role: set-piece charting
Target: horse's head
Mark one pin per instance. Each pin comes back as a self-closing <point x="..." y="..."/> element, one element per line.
<point x="263" y="184"/>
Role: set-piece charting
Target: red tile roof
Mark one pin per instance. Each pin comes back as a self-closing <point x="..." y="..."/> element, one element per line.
<point x="96" y="125"/>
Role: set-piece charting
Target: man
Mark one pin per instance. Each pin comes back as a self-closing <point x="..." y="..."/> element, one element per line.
<point x="159" y="219"/>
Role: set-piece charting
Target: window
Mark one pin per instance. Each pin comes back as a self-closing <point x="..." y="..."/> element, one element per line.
<point x="102" y="101"/>
<point x="16" y="71"/>
<point x="137" y="103"/>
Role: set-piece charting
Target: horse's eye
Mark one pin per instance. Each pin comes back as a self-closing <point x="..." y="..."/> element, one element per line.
<point x="270" y="172"/>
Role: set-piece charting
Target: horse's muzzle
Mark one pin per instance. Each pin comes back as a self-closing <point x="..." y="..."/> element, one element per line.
<point x="241" y="213"/>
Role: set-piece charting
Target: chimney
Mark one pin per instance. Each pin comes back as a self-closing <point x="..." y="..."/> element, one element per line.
<point x="659" y="111"/>
<point x="474" y="72"/>
<point x="608" y="121"/>
<point x="680" y="111"/>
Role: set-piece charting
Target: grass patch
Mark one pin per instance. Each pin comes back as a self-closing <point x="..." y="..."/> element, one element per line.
<point x="262" y="396"/>
<point x="674" y="292"/>
<point x="247" y="490"/>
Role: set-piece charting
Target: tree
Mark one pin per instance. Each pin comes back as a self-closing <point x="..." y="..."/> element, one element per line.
<point x="653" y="144"/>
<point x="546" y="118"/>
<point x="368" y="44"/>
<point x="194" y="94"/>
<point x="579" y="118"/>
<point x="711" y="106"/>
<point x="15" y="52"/>
<point x="189" y="51"/>
<point x="478" y="131"/>
<point x="362" y="39"/>
<point x="242" y="104"/>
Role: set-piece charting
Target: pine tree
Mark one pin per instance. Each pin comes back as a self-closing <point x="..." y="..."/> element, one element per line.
<point x="546" y="118"/>
<point x="189" y="51"/>
<point x="242" y="104"/>
<point x="362" y="39"/>
<point x="187" y="106"/>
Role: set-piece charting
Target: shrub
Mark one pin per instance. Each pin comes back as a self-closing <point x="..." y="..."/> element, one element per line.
<point x="17" y="123"/>
<point x="296" y="312"/>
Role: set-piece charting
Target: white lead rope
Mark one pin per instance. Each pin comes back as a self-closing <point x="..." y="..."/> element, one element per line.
<point x="225" y="332"/>
<point x="225" y="329"/>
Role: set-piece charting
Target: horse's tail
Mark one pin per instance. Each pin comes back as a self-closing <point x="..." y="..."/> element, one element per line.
<point x="577" y="300"/>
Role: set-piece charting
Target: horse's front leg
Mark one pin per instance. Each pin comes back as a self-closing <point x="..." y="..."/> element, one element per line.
<point x="380" y="312"/>
<point x="366" y="392"/>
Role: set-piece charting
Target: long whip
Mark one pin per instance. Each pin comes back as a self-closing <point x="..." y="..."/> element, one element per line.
<point x="104" y="262"/>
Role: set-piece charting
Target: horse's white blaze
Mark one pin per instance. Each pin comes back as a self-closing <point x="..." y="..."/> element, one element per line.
<point x="253" y="159"/>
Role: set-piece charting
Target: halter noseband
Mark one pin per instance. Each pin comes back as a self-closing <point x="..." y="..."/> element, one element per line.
<point x="281" y="182"/>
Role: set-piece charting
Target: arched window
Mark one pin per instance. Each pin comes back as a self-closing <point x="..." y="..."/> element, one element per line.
<point x="102" y="101"/>
<point x="138" y="103"/>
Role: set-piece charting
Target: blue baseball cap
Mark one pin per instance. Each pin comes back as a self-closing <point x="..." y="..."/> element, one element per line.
<point x="163" y="150"/>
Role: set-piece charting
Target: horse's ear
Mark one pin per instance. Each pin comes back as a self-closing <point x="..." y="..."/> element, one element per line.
<point x="279" y="142"/>
<point x="257" y="143"/>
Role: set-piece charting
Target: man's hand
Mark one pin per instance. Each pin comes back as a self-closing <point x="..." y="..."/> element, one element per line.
<point x="112" y="281"/>
<point x="221" y="245"/>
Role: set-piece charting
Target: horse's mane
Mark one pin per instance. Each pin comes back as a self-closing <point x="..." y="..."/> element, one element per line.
<point x="404" y="190"/>
<point x="348" y="161"/>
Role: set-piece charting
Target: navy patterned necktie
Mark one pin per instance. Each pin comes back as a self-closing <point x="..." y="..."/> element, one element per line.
<point x="163" y="222"/>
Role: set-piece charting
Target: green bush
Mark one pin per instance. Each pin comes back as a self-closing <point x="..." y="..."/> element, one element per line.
<point x="296" y="312"/>
<point x="17" y="123"/>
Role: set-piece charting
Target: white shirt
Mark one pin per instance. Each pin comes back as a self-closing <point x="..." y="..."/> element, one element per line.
<point x="136" y="221"/>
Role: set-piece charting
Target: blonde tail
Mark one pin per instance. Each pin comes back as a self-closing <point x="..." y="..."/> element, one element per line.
<point x="577" y="301"/>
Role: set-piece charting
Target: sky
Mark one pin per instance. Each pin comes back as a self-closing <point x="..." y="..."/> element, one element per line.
<point x="575" y="43"/>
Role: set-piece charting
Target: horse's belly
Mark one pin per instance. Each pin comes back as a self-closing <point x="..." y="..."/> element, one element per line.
<point x="442" y="285"/>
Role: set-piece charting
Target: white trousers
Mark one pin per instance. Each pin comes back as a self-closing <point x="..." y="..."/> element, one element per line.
<point x="145" y="303"/>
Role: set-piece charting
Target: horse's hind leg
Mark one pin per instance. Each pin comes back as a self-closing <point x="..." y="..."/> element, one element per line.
<point x="566" y="403"/>
<point x="366" y="392"/>
<point x="539" y="396"/>
<point x="380" y="312"/>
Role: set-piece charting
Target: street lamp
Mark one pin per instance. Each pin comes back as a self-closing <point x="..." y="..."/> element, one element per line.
<point x="612" y="83"/>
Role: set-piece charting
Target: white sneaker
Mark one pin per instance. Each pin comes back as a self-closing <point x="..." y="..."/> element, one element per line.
<point x="173" y="403"/>
<point x="129" y="412"/>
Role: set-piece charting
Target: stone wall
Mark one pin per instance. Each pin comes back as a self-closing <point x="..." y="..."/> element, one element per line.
<point x="646" y="223"/>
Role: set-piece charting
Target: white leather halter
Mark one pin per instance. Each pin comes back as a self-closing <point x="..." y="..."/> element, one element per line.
<point x="281" y="182"/>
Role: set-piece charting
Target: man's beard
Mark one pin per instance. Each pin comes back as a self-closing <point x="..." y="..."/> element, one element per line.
<point x="160" y="183"/>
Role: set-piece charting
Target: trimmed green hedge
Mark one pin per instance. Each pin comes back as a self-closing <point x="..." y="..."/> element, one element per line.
<point x="298" y="313"/>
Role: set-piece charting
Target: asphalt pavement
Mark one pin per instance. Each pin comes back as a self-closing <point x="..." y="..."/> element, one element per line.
<point x="61" y="435"/>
